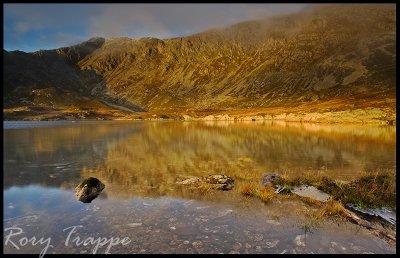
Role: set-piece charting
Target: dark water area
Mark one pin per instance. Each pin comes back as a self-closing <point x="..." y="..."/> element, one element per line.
<point x="139" y="163"/>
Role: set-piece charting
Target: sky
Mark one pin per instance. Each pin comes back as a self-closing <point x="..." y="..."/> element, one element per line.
<point x="32" y="27"/>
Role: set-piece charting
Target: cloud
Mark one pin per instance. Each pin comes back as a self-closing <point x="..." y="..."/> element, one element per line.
<point x="167" y="20"/>
<point x="21" y="27"/>
<point x="125" y="20"/>
<point x="56" y="25"/>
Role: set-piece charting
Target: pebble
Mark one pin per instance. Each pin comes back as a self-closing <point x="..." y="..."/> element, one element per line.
<point x="186" y="242"/>
<point x="247" y="245"/>
<point x="299" y="240"/>
<point x="258" y="237"/>
<point x="258" y="248"/>
<point x="234" y="252"/>
<point x="202" y="207"/>
<point x="224" y="213"/>
<point x="197" y="244"/>
<point x="273" y="222"/>
<point x="355" y="248"/>
<point x="133" y="225"/>
<point x="236" y="246"/>
<point x="271" y="244"/>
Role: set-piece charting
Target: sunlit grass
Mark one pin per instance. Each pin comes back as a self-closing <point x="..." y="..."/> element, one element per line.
<point x="265" y="194"/>
<point x="370" y="190"/>
<point x="332" y="209"/>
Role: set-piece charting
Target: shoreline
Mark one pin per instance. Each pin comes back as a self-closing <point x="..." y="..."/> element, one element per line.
<point x="377" y="116"/>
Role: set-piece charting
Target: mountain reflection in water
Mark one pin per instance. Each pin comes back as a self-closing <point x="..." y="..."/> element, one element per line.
<point x="145" y="158"/>
<point x="139" y="162"/>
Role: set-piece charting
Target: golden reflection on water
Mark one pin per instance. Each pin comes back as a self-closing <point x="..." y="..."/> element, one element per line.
<point x="146" y="158"/>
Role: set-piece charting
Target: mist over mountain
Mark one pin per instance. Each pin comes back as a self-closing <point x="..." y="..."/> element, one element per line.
<point x="339" y="54"/>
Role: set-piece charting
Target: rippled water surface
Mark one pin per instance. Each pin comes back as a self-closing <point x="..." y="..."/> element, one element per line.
<point x="139" y="162"/>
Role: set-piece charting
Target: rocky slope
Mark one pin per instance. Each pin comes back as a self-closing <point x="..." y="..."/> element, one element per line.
<point x="343" y="55"/>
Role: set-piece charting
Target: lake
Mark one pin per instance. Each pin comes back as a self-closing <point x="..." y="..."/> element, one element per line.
<point x="139" y="163"/>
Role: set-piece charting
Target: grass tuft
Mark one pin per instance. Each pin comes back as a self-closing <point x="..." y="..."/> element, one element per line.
<point x="265" y="194"/>
<point x="332" y="209"/>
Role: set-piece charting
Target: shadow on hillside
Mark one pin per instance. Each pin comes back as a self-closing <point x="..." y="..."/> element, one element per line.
<point x="58" y="68"/>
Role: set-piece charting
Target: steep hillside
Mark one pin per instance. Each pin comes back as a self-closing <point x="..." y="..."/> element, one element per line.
<point x="341" y="54"/>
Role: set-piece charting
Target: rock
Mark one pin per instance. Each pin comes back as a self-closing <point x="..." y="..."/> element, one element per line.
<point x="300" y="240"/>
<point x="197" y="244"/>
<point x="383" y="213"/>
<point x="268" y="179"/>
<point x="218" y="182"/>
<point x="133" y="225"/>
<point x="234" y="252"/>
<point x="89" y="189"/>
<point x="310" y="192"/>
<point x="184" y="229"/>
<point x="222" y="182"/>
<point x="224" y="213"/>
<point x="236" y="247"/>
<point x="273" y="222"/>
<point x="258" y="237"/>
<point x="272" y="244"/>
<point x="190" y="181"/>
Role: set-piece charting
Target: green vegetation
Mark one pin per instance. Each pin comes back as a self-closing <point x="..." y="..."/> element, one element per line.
<point x="370" y="190"/>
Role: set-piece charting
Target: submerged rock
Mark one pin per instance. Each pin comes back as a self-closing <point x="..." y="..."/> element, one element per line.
<point x="89" y="189"/>
<point x="218" y="182"/>
<point x="310" y="192"/>
<point x="383" y="213"/>
<point x="300" y="240"/>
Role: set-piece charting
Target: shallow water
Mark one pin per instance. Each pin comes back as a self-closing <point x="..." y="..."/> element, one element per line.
<point x="139" y="163"/>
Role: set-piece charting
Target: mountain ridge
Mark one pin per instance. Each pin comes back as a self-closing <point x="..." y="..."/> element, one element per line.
<point x="336" y="53"/>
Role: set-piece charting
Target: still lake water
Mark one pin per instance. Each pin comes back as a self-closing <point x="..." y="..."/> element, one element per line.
<point x="139" y="162"/>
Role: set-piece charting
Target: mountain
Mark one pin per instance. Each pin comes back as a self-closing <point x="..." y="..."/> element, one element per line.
<point x="329" y="57"/>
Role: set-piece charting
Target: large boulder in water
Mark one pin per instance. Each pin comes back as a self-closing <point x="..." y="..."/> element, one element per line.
<point x="218" y="182"/>
<point x="89" y="189"/>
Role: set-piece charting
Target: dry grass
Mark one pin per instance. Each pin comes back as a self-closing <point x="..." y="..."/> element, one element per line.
<point x="248" y="189"/>
<point x="370" y="190"/>
<point x="205" y="188"/>
<point x="311" y="201"/>
<point x="332" y="209"/>
<point x="265" y="194"/>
